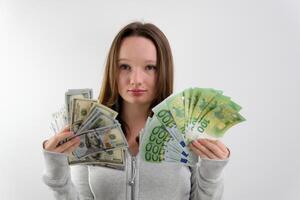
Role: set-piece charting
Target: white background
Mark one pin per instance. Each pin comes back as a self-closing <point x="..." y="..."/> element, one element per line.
<point x="250" y="49"/>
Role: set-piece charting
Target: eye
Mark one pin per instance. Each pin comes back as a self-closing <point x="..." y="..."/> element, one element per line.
<point x="124" y="67"/>
<point x="151" y="67"/>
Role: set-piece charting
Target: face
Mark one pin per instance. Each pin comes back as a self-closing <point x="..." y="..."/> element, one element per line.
<point x="94" y="140"/>
<point x="137" y="70"/>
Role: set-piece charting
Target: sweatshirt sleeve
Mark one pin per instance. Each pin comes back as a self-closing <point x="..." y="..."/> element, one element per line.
<point x="206" y="180"/>
<point x="57" y="175"/>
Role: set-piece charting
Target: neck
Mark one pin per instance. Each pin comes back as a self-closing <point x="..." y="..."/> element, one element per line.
<point x="135" y="116"/>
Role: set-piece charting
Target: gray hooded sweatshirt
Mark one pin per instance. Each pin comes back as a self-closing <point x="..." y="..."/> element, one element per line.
<point x="140" y="180"/>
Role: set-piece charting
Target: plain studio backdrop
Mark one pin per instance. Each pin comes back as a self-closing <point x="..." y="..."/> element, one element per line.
<point x="249" y="49"/>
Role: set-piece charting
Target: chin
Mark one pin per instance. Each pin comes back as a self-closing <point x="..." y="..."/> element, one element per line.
<point x="137" y="101"/>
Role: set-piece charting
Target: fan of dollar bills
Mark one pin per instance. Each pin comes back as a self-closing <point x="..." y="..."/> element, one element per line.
<point x="181" y="118"/>
<point x="102" y="141"/>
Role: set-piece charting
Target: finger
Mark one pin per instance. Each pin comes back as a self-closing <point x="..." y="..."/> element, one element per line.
<point x="204" y="149"/>
<point x="213" y="147"/>
<point x="202" y="153"/>
<point x="198" y="152"/>
<point x="222" y="147"/>
<point x="62" y="136"/>
<point x="52" y="143"/>
<point x="64" y="147"/>
<point x="72" y="148"/>
<point x="220" y="144"/>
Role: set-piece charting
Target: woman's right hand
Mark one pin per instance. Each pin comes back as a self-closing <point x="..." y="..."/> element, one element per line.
<point x="52" y="144"/>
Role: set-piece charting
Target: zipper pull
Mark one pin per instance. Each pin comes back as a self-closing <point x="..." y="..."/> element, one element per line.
<point x="132" y="181"/>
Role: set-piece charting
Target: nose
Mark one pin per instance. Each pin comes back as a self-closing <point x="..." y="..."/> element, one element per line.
<point x="136" y="77"/>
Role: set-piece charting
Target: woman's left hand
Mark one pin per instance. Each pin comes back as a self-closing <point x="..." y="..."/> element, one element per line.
<point x="211" y="149"/>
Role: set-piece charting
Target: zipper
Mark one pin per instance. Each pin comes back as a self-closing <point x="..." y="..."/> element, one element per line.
<point x="132" y="180"/>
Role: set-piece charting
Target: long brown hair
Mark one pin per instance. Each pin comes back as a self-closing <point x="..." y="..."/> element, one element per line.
<point x="109" y="95"/>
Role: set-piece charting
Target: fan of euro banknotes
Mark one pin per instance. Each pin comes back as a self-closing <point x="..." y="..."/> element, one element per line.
<point x="102" y="141"/>
<point x="181" y="118"/>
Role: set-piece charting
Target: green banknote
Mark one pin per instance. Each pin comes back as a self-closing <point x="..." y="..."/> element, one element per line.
<point x="163" y="144"/>
<point x="175" y="104"/>
<point x="96" y="118"/>
<point x="76" y="93"/>
<point x="114" y="158"/>
<point x="215" y="123"/>
<point x="202" y="103"/>
<point x="194" y="97"/>
<point x="80" y="109"/>
<point x="154" y="139"/>
<point x="164" y="115"/>
<point x="100" y="139"/>
<point x="187" y="100"/>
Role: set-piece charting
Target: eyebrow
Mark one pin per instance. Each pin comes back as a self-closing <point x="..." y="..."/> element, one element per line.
<point x="147" y="61"/>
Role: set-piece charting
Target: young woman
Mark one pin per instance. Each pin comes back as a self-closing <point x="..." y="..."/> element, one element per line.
<point x="138" y="76"/>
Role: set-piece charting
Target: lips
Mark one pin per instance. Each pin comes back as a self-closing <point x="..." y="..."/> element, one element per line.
<point x="137" y="92"/>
